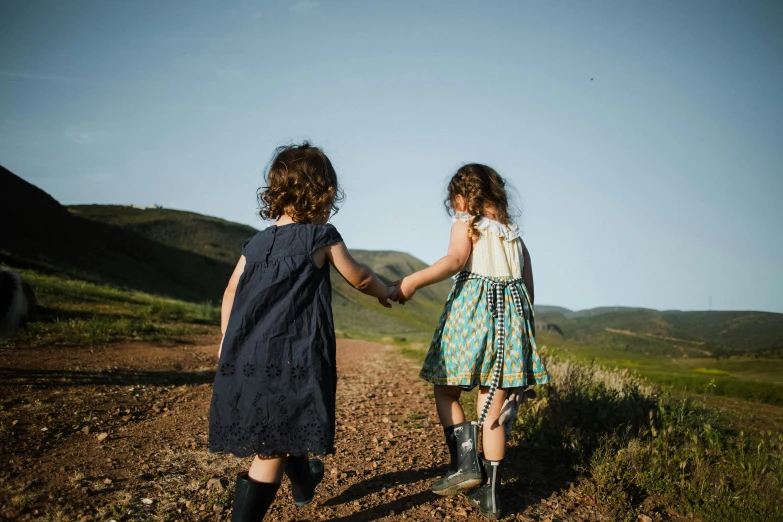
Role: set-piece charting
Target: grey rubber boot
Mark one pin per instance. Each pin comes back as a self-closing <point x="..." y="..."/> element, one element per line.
<point x="487" y="497"/>
<point x="464" y="470"/>
<point x="252" y="499"/>
<point x="305" y="474"/>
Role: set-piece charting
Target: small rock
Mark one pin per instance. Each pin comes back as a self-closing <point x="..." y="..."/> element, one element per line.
<point x="217" y="508"/>
<point x="644" y="518"/>
<point x="15" y="422"/>
<point x="389" y="436"/>
<point x="386" y="420"/>
<point x="86" y="430"/>
<point x="216" y="484"/>
<point x="44" y="429"/>
<point x="146" y="501"/>
<point x="335" y="471"/>
<point x="107" y="481"/>
<point x="102" y="436"/>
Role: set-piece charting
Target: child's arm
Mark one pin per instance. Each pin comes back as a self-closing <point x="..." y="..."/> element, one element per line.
<point x="446" y="267"/>
<point x="527" y="274"/>
<point x="361" y="278"/>
<point x="228" y="298"/>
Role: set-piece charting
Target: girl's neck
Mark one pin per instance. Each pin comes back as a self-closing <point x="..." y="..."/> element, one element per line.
<point x="285" y="219"/>
<point x="489" y="213"/>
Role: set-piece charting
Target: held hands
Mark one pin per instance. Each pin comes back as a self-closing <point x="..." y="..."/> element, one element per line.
<point x="403" y="290"/>
<point x="385" y="300"/>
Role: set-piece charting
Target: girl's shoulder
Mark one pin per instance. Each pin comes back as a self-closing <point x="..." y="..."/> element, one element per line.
<point x="307" y="235"/>
<point x="507" y="232"/>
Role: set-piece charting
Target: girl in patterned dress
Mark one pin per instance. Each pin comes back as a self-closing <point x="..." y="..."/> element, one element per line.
<point x="485" y="336"/>
<point x="274" y="392"/>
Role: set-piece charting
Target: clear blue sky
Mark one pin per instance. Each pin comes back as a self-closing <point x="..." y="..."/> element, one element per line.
<point x="644" y="140"/>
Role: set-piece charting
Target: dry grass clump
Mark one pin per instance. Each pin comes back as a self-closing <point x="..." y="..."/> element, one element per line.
<point x="629" y="443"/>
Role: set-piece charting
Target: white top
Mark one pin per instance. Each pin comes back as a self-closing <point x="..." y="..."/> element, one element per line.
<point x="498" y="250"/>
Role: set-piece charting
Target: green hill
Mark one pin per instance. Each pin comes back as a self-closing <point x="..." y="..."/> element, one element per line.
<point x="207" y="236"/>
<point x="355" y="314"/>
<point x="189" y="256"/>
<point x="675" y="333"/>
<point x="40" y="233"/>
<point x="182" y="255"/>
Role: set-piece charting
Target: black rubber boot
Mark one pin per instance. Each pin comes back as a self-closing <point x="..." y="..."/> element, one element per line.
<point x="252" y="499"/>
<point x="487" y="497"/>
<point x="464" y="469"/>
<point x="305" y="474"/>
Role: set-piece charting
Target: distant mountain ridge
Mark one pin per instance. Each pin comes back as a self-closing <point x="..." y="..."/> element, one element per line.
<point x="355" y="314"/>
<point x="181" y="254"/>
<point x="40" y="233"/>
<point x="589" y="312"/>
<point x="191" y="256"/>
<point x="676" y="333"/>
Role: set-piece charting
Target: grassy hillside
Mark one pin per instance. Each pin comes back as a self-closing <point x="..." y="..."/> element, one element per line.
<point x="75" y="312"/>
<point x="675" y="333"/>
<point x="45" y="236"/>
<point x="190" y="256"/>
<point x="182" y="255"/>
<point x="356" y="315"/>
<point x="207" y="236"/>
<point x="731" y="354"/>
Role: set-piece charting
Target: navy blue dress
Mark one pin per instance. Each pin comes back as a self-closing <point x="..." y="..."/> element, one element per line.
<point x="275" y="386"/>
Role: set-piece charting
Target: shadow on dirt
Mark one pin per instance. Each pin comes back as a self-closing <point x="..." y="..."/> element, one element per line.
<point x="554" y="441"/>
<point x="49" y="378"/>
<point x="387" y="480"/>
<point x="396" y="506"/>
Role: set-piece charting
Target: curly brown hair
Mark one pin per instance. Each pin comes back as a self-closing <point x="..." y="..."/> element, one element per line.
<point x="300" y="182"/>
<point x="482" y="187"/>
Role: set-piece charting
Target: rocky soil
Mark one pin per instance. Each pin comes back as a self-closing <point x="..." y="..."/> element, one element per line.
<point x="120" y="433"/>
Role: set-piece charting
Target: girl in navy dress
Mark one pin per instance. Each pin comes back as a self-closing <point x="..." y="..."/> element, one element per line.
<point x="274" y="392"/>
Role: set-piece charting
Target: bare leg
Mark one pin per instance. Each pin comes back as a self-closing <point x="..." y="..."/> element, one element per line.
<point x="447" y="402"/>
<point x="493" y="434"/>
<point x="267" y="469"/>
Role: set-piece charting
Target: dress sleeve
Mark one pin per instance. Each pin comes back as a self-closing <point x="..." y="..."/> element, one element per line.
<point x="461" y="216"/>
<point x="324" y="236"/>
<point x="245" y="244"/>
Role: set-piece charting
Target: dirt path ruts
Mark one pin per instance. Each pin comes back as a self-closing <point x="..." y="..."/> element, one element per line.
<point x="94" y="433"/>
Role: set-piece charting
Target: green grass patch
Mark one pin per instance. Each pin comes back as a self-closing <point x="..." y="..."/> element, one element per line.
<point x="628" y="445"/>
<point x="74" y="312"/>
<point x="743" y="377"/>
<point x="710" y="371"/>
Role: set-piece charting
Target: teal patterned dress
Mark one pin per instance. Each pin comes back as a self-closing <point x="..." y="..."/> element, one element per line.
<point x="466" y="343"/>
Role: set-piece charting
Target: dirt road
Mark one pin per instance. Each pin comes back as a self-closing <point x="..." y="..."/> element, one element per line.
<point x="120" y="433"/>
